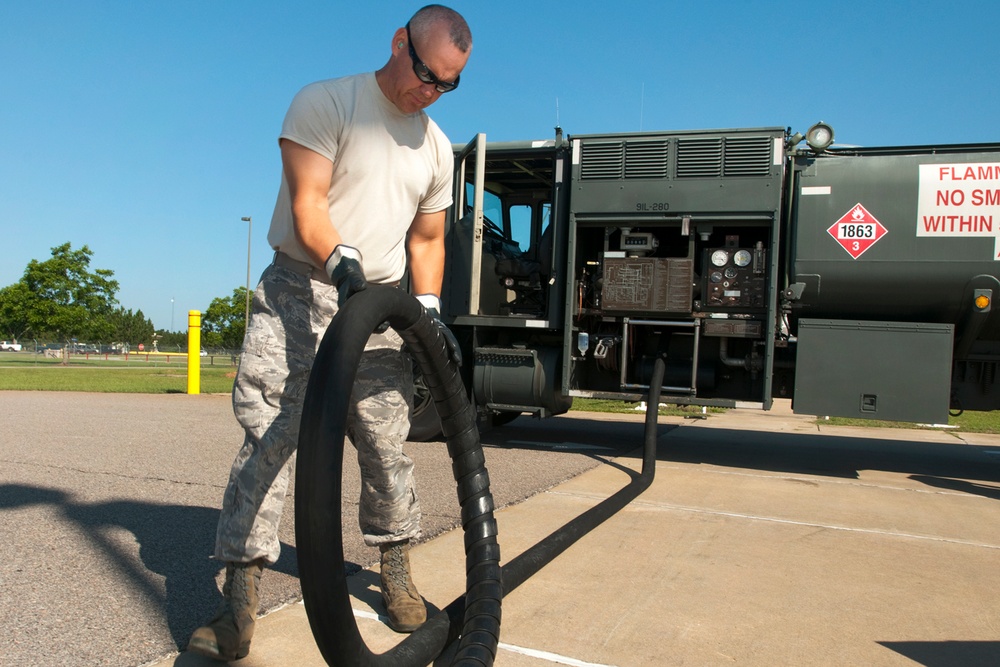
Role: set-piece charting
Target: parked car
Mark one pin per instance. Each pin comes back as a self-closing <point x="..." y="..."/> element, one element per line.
<point x="7" y="346"/>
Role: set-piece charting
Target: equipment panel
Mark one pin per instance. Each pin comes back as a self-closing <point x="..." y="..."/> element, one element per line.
<point x="646" y="284"/>
<point x="734" y="278"/>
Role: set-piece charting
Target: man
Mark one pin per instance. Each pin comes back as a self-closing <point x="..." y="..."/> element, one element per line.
<point x="367" y="177"/>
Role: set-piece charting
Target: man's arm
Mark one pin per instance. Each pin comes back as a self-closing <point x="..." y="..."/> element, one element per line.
<point x="308" y="175"/>
<point x="425" y="244"/>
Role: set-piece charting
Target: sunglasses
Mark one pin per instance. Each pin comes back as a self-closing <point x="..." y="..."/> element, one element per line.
<point x="424" y="72"/>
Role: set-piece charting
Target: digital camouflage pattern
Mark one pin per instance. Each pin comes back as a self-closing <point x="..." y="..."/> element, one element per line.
<point x="291" y="313"/>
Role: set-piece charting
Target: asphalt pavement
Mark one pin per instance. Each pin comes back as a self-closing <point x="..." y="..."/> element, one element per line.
<point x="765" y="539"/>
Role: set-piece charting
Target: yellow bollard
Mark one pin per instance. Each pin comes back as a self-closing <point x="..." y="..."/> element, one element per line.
<point x="194" y="351"/>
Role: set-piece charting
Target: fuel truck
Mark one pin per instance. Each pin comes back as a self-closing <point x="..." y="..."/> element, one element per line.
<point x="756" y="263"/>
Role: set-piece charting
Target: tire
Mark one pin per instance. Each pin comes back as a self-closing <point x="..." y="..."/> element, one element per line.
<point x="425" y="424"/>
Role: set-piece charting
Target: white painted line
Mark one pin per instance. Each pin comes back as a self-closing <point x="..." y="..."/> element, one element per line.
<point x="822" y="479"/>
<point x="668" y="507"/>
<point x="551" y="657"/>
<point x="372" y="616"/>
<point x="530" y="652"/>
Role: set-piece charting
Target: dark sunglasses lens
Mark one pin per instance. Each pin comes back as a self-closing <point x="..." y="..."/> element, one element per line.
<point x="447" y="87"/>
<point x="422" y="72"/>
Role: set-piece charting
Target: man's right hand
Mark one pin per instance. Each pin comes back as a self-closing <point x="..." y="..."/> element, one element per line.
<point x="346" y="272"/>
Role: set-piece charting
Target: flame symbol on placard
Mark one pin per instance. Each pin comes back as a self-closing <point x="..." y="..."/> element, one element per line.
<point x="858" y="213"/>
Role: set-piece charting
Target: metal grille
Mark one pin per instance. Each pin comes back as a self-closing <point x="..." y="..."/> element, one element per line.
<point x="602" y="160"/>
<point x="699" y="158"/>
<point x="747" y="156"/>
<point x="646" y="159"/>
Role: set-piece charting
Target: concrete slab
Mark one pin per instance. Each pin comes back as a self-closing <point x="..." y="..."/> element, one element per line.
<point x="833" y="546"/>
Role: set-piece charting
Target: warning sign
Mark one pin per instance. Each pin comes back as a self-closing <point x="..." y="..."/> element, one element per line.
<point x="857" y="230"/>
<point x="960" y="199"/>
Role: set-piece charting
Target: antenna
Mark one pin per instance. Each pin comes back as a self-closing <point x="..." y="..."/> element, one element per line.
<point x="642" y="103"/>
<point x="557" y="112"/>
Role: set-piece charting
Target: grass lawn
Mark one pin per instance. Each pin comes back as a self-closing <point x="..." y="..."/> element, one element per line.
<point x="167" y="374"/>
<point x="139" y="375"/>
<point x="969" y="422"/>
<point x="601" y="405"/>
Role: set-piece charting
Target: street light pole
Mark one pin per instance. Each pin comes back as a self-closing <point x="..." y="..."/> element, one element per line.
<point x="246" y="320"/>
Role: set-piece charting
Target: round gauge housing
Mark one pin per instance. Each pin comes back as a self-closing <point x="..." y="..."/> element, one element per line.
<point x="742" y="257"/>
<point x="731" y="272"/>
<point x="720" y="257"/>
<point x="715" y="276"/>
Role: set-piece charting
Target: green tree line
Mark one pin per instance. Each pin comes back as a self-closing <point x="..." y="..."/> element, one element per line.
<point x="62" y="298"/>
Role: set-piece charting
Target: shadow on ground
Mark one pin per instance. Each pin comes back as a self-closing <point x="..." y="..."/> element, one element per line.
<point x="174" y="543"/>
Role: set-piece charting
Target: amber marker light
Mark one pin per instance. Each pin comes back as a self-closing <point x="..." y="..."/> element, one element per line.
<point x="982" y="302"/>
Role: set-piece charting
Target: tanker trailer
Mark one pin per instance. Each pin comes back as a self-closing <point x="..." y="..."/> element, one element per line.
<point x="856" y="281"/>
<point x="892" y="265"/>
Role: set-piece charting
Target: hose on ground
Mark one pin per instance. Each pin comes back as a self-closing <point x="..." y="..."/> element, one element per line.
<point x="318" y="489"/>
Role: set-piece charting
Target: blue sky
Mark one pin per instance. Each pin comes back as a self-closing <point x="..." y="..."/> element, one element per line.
<point x="147" y="130"/>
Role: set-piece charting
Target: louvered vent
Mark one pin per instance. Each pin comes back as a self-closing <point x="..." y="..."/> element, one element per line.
<point x="748" y="156"/>
<point x="699" y="158"/>
<point x="604" y="160"/>
<point x="646" y="159"/>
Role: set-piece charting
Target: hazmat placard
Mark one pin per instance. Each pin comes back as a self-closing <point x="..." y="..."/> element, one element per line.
<point x="857" y="230"/>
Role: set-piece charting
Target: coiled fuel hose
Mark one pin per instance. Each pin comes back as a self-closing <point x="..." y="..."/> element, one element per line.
<point x="318" y="488"/>
<point x="476" y="616"/>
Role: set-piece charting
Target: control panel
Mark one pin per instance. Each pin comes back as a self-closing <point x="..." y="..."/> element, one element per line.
<point x="734" y="277"/>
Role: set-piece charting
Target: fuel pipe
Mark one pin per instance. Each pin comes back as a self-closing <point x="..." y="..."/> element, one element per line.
<point x="474" y="618"/>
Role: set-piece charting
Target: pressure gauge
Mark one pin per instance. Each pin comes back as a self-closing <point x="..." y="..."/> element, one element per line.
<point x="715" y="276"/>
<point x="731" y="272"/>
<point x="720" y="257"/>
<point x="742" y="257"/>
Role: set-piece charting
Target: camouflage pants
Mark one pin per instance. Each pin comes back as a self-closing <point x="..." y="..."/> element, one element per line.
<point x="290" y="315"/>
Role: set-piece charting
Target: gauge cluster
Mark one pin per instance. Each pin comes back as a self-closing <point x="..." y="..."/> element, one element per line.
<point x="734" y="278"/>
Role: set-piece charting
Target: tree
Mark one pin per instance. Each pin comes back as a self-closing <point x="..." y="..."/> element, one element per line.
<point x="61" y="297"/>
<point x="172" y="340"/>
<point x="224" y="323"/>
<point x="131" y="328"/>
<point x="15" y="305"/>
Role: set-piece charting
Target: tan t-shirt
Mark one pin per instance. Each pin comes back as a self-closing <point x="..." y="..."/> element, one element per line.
<point x="387" y="166"/>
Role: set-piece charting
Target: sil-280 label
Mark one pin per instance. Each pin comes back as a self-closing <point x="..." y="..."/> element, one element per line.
<point x="652" y="206"/>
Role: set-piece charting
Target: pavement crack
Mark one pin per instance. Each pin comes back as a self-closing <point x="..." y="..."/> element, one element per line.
<point x="116" y="475"/>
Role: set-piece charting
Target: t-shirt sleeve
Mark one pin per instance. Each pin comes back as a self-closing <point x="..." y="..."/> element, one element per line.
<point x="439" y="195"/>
<point x="314" y="120"/>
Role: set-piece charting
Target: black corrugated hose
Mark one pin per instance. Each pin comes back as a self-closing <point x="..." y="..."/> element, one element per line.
<point x="318" y="487"/>
<point x="475" y="617"/>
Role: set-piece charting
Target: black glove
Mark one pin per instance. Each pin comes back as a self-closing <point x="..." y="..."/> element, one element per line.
<point x="346" y="272"/>
<point x="432" y="303"/>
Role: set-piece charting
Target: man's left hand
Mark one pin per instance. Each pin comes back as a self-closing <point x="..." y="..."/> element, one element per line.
<point x="432" y="303"/>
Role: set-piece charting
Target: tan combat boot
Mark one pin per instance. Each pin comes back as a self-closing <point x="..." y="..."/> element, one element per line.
<point x="404" y="604"/>
<point x="227" y="636"/>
